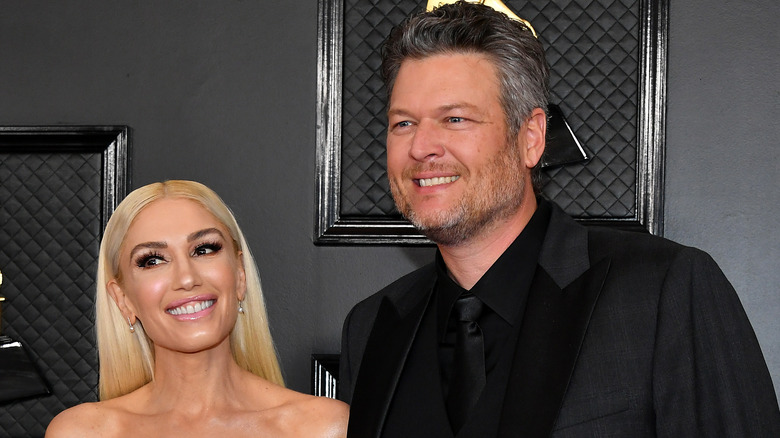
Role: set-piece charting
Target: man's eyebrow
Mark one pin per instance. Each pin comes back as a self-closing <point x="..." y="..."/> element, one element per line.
<point x="397" y="112"/>
<point x="441" y="109"/>
<point x="459" y="105"/>
<point x="204" y="232"/>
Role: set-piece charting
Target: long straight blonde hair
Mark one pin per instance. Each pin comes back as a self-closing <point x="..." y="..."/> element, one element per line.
<point x="127" y="358"/>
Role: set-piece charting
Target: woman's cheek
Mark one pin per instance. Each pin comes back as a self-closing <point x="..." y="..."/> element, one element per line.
<point x="150" y="290"/>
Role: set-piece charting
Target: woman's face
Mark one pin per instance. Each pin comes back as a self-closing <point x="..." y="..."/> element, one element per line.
<point x="180" y="276"/>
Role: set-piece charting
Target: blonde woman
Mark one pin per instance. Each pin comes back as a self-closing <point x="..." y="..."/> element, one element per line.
<point x="183" y="338"/>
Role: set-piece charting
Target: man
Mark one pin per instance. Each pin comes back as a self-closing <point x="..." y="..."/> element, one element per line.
<point x="528" y="324"/>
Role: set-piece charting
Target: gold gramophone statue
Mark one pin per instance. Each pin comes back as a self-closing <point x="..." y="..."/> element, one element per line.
<point x="19" y="378"/>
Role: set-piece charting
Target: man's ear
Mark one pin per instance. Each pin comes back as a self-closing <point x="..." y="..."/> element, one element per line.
<point x="533" y="137"/>
<point x="118" y="295"/>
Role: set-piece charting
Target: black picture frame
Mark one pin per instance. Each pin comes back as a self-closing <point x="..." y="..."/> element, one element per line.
<point x="111" y="141"/>
<point x="49" y="245"/>
<point x="333" y="227"/>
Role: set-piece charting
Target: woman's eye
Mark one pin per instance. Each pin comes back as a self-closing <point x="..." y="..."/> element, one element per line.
<point x="207" y="248"/>
<point x="149" y="261"/>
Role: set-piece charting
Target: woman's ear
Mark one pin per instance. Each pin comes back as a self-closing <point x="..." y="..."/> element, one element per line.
<point x="533" y="137"/>
<point x="118" y="295"/>
<point x="241" y="283"/>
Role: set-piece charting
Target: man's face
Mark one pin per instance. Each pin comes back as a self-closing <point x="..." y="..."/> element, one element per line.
<point x="452" y="171"/>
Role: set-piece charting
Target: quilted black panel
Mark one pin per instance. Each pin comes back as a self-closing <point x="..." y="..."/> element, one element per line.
<point x="50" y="225"/>
<point x="593" y="50"/>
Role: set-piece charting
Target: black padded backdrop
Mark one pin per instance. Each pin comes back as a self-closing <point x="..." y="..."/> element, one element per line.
<point x="593" y="50"/>
<point x="50" y="225"/>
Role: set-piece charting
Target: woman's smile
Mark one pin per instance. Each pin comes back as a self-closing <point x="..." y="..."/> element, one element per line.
<point x="191" y="308"/>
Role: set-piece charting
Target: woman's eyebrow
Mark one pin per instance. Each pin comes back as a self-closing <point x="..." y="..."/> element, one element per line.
<point x="161" y="245"/>
<point x="140" y="246"/>
<point x="204" y="232"/>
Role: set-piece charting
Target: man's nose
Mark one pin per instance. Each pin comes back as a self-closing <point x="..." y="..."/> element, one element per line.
<point x="427" y="142"/>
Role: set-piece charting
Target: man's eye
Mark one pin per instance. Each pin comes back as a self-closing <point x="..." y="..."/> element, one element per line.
<point x="403" y="124"/>
<point x="455" y="119"/>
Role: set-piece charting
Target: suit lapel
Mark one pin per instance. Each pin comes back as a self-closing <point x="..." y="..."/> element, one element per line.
<point x="560" y="303"/>
<point x="386" y="352"/>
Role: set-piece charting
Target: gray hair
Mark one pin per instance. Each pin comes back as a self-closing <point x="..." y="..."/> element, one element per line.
<point x="465" y="27"/>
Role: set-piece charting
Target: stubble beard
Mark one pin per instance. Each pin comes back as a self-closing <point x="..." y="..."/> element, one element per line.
<point x="497" y="192"/>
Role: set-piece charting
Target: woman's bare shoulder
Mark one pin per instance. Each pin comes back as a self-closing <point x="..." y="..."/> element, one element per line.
<point x="329" y="416"/>
<point x="84" y="420"/>
<point x="310" y="416"/>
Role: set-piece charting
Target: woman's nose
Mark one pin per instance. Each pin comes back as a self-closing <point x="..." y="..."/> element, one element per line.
<point x="186" y="273"/>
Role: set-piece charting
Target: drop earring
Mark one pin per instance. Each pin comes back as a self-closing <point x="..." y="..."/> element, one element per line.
<point x="240" y="306"/>
<point x="132" y="327"/>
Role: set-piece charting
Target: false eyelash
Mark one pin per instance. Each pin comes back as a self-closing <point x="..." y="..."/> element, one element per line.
<point x="215" y="246"/>
<point x="142" y="259"/>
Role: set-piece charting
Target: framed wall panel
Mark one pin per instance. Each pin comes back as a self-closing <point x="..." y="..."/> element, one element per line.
<point x="324" y="375"/>
<point x="58" y="187"/>
<point x="608" y="62"/>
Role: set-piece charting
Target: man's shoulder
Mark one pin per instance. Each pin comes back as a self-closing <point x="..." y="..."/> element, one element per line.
<point x="566" y="237"/>
<point x="632" y="248"/>
<point x="565" y="228"/>
<point x="619" y="239"/>
<point x="416" y="280"/>
<point x="402" y="294"/>
<point x="410" y="280"/>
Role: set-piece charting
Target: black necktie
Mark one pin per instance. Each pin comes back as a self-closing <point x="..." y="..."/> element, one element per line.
<point x="468" y="377"/>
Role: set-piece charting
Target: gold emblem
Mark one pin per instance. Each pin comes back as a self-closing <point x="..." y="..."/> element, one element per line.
<point x="495" y="4"/>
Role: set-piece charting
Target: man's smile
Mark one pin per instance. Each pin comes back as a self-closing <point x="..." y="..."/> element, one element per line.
<point x="427" y="182"/>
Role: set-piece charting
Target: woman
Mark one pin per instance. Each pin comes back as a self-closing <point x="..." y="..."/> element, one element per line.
<point x="183" y="338"/>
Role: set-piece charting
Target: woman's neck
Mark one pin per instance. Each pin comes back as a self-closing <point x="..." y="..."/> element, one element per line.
<point x="198" y="382"/>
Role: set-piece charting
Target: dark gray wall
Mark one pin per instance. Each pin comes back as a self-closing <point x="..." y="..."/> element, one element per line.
<point x="723" y="160"/>
<point x="224" y="93"/>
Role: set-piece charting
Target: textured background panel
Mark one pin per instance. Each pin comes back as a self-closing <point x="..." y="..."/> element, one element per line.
<point x="593" y="51"/>
<point x="50" y="225"/>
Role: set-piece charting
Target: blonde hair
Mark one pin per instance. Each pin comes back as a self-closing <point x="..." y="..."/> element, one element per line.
<point x="126" y="358"/>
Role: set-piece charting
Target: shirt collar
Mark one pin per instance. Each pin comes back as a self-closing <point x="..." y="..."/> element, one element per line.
<point x="505" y="284"/>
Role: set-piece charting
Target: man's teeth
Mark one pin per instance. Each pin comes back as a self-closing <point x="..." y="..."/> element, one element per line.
<point x="191" y="307"/>
<point x="427" y="182"/>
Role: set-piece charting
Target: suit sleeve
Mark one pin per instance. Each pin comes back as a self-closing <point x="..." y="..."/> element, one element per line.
<point x="346" y="379"/>
<point x="709" y="375"/>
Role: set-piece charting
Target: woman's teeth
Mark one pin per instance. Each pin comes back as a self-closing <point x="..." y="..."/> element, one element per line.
<point x="190" y="308"/>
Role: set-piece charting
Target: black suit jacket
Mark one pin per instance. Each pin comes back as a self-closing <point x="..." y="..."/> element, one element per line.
<point x="624" y="334"/>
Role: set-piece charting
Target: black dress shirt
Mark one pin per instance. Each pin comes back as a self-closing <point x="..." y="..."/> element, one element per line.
<point x="503" y="289"/>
